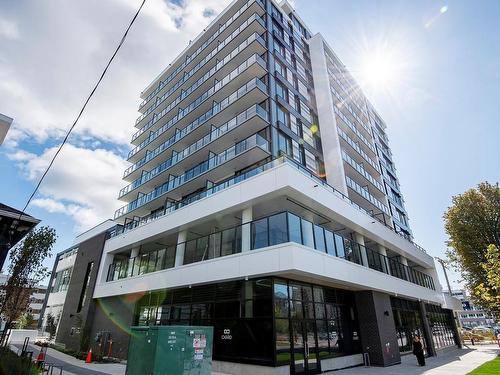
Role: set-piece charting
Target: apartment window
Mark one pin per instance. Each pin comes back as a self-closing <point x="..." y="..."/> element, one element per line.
<point x="285" y="144"/>
<point x="278" y="47"/>
<point x="277" y="13"/>
<point x="310" y="161"/>
<point x="283" y="115"/>
<point x="301" y="70"/>
<point x="303" y="90"/>
<point x="281" y="91"/>
<point x="305" y="111"/>
<point x="61" y="280"/>
<point x="294" y="124"/>
<point x="280" y="68"/>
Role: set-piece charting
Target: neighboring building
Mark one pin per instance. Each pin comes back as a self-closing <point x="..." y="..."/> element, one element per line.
<point x="472" y="315"/>
<point x="5" y="123"/>
<point x="35" y="304"/>
<point x="14" y="225"/>
<point x="71" y="285"/>
<point x="262" y="200"/>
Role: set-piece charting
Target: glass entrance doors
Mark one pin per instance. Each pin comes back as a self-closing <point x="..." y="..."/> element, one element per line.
<point x="305" y="348"/>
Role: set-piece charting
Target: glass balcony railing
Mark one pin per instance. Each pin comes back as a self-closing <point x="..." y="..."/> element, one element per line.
<point x="365" y="194"/>
<point x="173" y="206"/>
<point x="353" y="127"/>
<point x="209" y="164"/>
<point x="199" y="66"/>
<point x="185" y="93"/>
<point x="200" y="49"/>
<point x="358" y="149"/>
<point x="272" y="230"/>
<point x="256" y="82"/>
<point x="216" y="133"/>
<point x="361" y="170"/>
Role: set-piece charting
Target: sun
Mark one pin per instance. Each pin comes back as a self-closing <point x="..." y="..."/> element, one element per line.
<point x="382" y="68"/>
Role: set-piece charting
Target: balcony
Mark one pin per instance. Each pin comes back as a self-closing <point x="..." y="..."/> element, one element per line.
<point x="373" y="166"/>
<point x="354" y="167"/>
<point x="366" y="195"/>
<point x="255" y="90"/>
<point x="221" y="74"/>
<point x="173" y="206"/>
<point x="250" y="6"/>
<point x="237" y="41"/>
<point x="242" y="154"/>
<point x="284" y="227"/>
<point x="254" y="119"/>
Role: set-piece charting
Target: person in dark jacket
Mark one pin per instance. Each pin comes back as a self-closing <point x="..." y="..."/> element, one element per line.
<point x="418" y="350"/>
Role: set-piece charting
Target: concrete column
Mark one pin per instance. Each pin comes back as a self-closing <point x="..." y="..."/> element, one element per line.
<point x="246" y="236"/>
<point x="429" y="342"/>
<point x="107" y="261"/>
<point x="383" y="251"/>
<point x="378" y="330"/>
<point x="361" y="240"/>
<point x="181" y="246"/>
<point x="132" y="266"/>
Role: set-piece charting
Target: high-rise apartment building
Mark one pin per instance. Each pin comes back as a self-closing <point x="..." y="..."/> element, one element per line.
<point x="262" y="199"/>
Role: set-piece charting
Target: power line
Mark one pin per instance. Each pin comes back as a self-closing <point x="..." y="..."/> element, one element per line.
<point x="83" y="108"/>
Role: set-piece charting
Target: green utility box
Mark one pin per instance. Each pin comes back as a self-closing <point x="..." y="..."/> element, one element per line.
<point x="170" y="350"/>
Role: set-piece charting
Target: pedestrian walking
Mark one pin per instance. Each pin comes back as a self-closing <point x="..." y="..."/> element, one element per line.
<point x="418" y="350"/>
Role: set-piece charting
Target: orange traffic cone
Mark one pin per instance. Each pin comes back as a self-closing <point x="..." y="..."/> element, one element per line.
<point x="89" y="356"/>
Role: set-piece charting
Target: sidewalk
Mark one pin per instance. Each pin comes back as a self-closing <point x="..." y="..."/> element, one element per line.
<point x="73" y="366"/>
<point x="455" y="362"/>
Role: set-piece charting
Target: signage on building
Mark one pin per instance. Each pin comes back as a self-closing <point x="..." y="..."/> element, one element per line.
<point x="226" y="335"/>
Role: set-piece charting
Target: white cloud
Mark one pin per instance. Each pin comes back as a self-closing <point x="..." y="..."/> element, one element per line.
<point x="82" y="183"/>
<point x="8" y="29"/>
<point x="52" y="54"/>
<point x="62" y="47"/>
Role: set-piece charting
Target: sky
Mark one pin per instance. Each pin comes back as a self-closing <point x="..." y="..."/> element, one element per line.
<point x="438" y="91"/>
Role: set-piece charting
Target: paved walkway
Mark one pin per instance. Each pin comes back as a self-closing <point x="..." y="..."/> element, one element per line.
<point x="454" y="362"/>
<point x="73" y="366"/>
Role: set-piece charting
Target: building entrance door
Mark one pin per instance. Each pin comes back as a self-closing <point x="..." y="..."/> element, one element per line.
<point x="305" y="354"/>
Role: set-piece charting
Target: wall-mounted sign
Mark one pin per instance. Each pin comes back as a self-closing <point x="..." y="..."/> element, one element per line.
<point x="226" y="335"/>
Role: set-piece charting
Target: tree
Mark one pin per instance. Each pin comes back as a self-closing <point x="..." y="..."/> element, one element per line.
<point x="26" y="271"/>
<point x="51" y="326"/>
<point x="26" y="320"/>
<point x="489" y="292"/>
<point x="473" y="224"/>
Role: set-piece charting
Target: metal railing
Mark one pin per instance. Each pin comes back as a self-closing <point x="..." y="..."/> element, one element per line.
<point x="200" y="49"/>
<point x="239" y="178"/>
<point x="205" y="166"/>
<point x="272" y="230"/>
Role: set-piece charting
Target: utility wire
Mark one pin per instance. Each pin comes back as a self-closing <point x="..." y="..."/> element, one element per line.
<point x="83" y="109"/>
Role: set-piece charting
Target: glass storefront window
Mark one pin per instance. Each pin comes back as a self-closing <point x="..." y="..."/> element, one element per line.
<point x="282" y="341"/>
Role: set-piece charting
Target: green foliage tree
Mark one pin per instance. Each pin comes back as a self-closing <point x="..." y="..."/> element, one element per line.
<point x="472" y="223"/>
<point x="26" y="270"/>
<point x="26" y="320"/>
<point x="489" y="291"/>
<point x="51" y="326"/>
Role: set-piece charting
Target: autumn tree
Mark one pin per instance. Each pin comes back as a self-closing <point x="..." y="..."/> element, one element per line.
<point x="26" y="270"/>
<point x="472" y="223"/>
